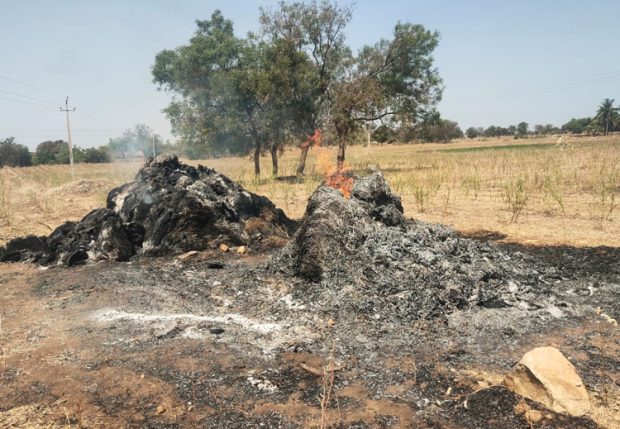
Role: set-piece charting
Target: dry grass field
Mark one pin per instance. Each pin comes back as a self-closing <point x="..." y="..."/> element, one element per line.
<point x="529" y="191"/>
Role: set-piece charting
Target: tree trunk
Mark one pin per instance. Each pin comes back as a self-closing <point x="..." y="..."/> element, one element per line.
<point x="274" y="159"/>
<point x="257" y="159"/>
<point x="302" y="160"/>
<point x="607" y="126"/>
<point x="342" y="143"/>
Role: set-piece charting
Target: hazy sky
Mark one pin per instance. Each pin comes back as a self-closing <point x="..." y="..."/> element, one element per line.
<point x="502" y="62"/>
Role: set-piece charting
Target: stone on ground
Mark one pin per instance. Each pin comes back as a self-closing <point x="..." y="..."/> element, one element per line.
<point x="544" y="375"/>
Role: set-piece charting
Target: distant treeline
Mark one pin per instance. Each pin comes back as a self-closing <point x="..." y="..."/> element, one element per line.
<point x="606" y="120"/>
<point x="140" y="140"/>
<point x="13" y="154"/>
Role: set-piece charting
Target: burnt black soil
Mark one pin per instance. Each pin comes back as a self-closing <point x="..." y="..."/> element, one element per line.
<point x="248" y="372"/>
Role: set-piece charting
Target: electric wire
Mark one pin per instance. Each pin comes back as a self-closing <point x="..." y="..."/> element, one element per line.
<point x="32" y="86"/>
<point x="30" y="98"/>
<point x="24" y="102"/>
<point x="543" y="90"/>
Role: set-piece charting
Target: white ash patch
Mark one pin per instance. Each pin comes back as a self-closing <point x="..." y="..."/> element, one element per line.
<point x="119" y="200"/>
<point x="292" y="303"/>
<point x="262" y="384"/>
<point x="555" y="311"/>
<point x="267" y="336"/>
<point x="111" y="315"/>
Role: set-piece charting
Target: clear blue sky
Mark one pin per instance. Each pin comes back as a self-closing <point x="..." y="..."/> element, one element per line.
<point x="502" y="62"/>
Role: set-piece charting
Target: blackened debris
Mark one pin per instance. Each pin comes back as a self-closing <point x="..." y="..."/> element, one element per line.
<point x="363" y="252"/>
<point x="171" y="207"/>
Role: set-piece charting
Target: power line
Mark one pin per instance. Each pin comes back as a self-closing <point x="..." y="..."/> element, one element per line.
<point x="97" y="121"/>
<point x="25" y="102"/>
<point x="94" y="117"/>
<point x="45" y="130"/>
<point x="84" y="111"/>
<point x="562" y="86"/>
<point x="533" y="92"/>
<point x="30" y="98"/>
<point x="553" y="84"/>
<point x="31" y="86"/>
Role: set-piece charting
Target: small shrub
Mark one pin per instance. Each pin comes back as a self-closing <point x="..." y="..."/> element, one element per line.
<point x="516" y="196"/>
<point x="552" y="188"/>
<point x="471" y="183"/>
<point x="605" y="190"/>
<point x="421" y="195"/>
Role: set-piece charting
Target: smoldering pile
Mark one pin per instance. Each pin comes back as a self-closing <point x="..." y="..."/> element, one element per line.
<point x="169" y="208"/>
<point x="361" y="253"/>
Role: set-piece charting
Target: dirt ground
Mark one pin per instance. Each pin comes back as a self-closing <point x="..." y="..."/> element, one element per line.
<point x="164" y="343"/>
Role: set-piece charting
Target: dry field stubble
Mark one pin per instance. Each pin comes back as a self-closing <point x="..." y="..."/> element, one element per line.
<point x="528" y="191"/>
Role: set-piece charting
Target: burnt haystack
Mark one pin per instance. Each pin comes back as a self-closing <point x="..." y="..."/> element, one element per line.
<point x="181" y="207"/>
<point x="362" y="252"/>
<point x="170" y="207"/>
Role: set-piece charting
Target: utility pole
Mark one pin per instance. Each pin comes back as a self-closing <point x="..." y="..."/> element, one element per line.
<point x="66" y="109"/>
<point x="153" y="145"/>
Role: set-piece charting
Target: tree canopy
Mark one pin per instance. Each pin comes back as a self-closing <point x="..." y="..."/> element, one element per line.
<point x="14" y="154"/>
<point x="51" y="152"/>
<point x="228" y="89"/>
<point x="293" y="76"/>
<point x="607" y="117"/>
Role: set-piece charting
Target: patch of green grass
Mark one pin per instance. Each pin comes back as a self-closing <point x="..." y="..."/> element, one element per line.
<point x="503" y="147"/>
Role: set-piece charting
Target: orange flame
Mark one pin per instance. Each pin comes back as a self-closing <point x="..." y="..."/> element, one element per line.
<point x="342" y="180"/>
<point x="313" y="140"/>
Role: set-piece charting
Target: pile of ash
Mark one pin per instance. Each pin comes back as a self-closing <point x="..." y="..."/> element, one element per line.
<point x="361" y="253"/>
<point x="169" y="208"/>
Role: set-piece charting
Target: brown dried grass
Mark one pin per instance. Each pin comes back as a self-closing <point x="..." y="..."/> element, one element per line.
<point x="567" y="195"/>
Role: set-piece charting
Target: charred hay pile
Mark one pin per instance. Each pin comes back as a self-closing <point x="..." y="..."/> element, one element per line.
<point x="361" y="252"/>
<point x="356" y="251"/>
<point x="169" y="208"/>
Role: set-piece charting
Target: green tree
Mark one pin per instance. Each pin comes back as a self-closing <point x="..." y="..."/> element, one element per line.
<point x="62" y="157"/>
<point x="471" y="132"/>
<point x="522" y="129"/>
<point x="491" y="131"/>
<point x="539" y="129"/>
<point x="289" y="82"/>
<point x="577" y="126"/>
<point x="50" y="152"/>
<point x="607" y="116"/>
<point x="13" y="154"/>
<point x="97" y="155"/>
<point x="384" y="134"/>
<point x="316" y="29"/>
<point x="219" y="85"/>
<point x="437" y="129"/>
<point x="393" y="79"/>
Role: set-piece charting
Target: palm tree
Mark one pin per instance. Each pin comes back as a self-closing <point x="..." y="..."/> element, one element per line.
<point x="607" y="115"/>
